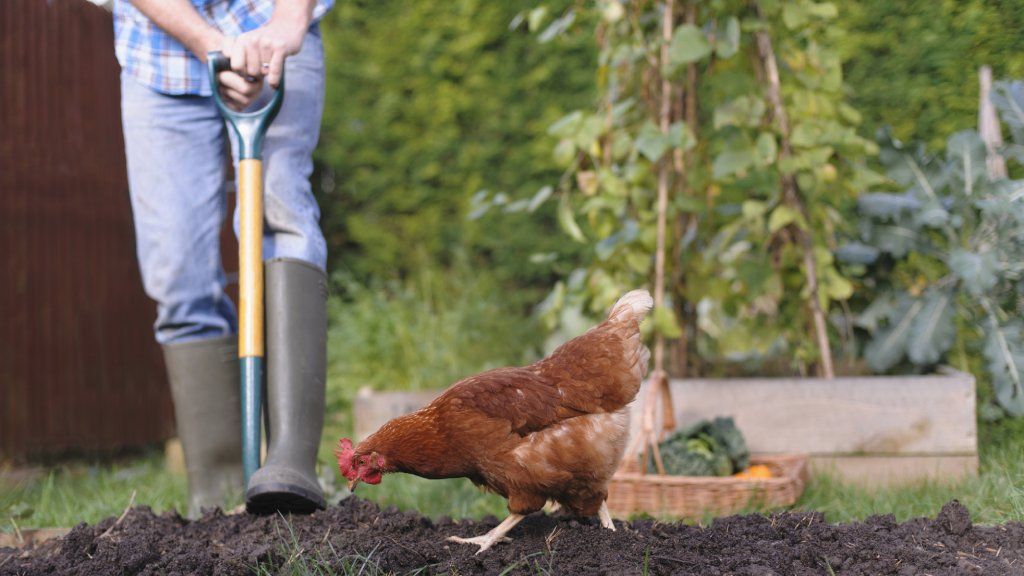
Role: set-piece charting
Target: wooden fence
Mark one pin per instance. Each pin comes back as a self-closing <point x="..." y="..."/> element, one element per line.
<point x="79" y="370"/>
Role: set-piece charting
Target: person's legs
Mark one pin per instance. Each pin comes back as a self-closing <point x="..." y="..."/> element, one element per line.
<point x="174" y="146"/>
<point x="296" y="373"/>
<point x="291" y="214"/>
<point x="175" y="152"/>
<point x="296" y="291"/>
<point x="207" y="410"/>
<point x="291" y="211"/>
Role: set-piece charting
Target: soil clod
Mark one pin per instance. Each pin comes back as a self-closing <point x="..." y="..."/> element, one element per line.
<point x="954" y="518"/>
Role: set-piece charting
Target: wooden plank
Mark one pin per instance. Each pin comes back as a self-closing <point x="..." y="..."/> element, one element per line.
<point x="30" y="537"/>
<point x="373" y="409"/>
<point x="924" y="415"/>
<point x="870" y="415"/>
<point x="875" y="431"/>
<point x="889" y="471"/>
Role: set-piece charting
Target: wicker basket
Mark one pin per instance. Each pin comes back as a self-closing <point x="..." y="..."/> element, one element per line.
<point x="632" y="492"/>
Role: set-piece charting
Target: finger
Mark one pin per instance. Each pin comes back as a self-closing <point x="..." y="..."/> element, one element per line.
<point x="235" y="100"/>
<point x="266" y="54"/>
<point x="276" y="69"/>
<point x="241" y="85"/>
<point x="253" y="89"/>
<point x="238" y="54"/>
<point x="232" y="80"/>
<point x="226" y="44"/>
<point x="252" y="60"/>
<point x="227" y="96"/>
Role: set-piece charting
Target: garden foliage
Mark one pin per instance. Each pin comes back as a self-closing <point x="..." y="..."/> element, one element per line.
<point x="754" y="204"/>
<point x="424" y="333"/>
<point x="912" y="65"/>
<point x="441" y="110"/>
<point x="946" y="253"/>
<point x="429" y="102"/>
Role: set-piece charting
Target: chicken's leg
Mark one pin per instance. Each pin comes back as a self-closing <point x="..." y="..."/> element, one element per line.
<point x="492" y="537"/>
<point x="606" y="517"/>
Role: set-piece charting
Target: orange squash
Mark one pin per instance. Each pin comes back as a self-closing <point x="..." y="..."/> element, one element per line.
<point x="755" y="471"/>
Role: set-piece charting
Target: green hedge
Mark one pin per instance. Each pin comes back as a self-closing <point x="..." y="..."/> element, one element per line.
<point x="913" y="65"/>
<point x="429" y="102"/>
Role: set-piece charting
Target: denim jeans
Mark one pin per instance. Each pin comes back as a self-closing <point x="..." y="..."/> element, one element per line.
<point x="176" y="169"/>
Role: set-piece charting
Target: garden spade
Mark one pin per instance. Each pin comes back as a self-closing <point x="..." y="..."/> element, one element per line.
<point x="249" y="127"/>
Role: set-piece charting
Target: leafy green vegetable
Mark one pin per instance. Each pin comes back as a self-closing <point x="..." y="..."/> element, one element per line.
<point x="708" y="448"/>
<point x="943" y="258"/>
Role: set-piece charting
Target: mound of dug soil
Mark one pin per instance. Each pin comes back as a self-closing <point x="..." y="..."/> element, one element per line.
<point x="356" y="534"/>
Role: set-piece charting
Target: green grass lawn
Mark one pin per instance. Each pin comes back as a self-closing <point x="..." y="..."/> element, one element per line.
<point x="90" y="491"/>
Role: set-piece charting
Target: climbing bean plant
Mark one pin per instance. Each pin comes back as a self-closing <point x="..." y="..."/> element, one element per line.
<point x="762" y="159"/>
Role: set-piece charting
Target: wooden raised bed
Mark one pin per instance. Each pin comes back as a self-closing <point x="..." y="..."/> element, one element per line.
<point x="870" y="431"/>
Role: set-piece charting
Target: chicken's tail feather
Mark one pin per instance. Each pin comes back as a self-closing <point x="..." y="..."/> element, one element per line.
<point x="633" y="305"/>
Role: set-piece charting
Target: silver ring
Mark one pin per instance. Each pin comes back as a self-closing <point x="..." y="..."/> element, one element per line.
<point x="265" y="66"/>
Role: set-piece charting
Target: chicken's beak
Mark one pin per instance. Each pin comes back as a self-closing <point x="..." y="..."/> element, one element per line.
<point x="352" y="485"/>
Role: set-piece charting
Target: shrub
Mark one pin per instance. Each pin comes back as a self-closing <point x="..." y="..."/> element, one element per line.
<point x="422" y="333"/>
<point x="912" y="64"/>
<point x="429" y="102"/>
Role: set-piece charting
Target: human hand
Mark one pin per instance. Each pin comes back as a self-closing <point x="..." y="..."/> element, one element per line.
<point x="237" y="91"/>
<point x="261" y="52"/>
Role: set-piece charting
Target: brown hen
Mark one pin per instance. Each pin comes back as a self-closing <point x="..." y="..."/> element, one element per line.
<point x="554" y="430"/>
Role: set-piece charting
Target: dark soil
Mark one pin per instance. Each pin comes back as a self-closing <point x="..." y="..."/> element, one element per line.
<point x="344" y="536"/>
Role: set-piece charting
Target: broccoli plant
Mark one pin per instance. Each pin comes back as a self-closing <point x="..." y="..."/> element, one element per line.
<point x="949" y="249"/>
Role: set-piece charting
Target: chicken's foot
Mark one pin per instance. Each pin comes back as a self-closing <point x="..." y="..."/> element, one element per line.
<point x="494" y="536"/>
<point x="606" y="517"/>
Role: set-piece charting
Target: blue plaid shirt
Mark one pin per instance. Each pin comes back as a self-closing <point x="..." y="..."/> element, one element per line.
<point x="159" y="61"/>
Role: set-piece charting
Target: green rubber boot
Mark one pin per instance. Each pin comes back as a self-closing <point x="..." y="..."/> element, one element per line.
<point x="296" y="296"/>
<point x="207" y="411"/>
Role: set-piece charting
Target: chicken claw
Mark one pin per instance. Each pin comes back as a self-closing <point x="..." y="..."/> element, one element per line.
<point x="606" y="517"/>
<point x="494" y="536"/>
<point x="484" y="542"/>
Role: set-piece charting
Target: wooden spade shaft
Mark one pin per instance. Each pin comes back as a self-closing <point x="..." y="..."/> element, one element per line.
<point x="250" y="313"/>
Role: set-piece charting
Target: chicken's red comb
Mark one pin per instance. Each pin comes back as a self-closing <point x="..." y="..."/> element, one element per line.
<point x="344" y="453"/>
